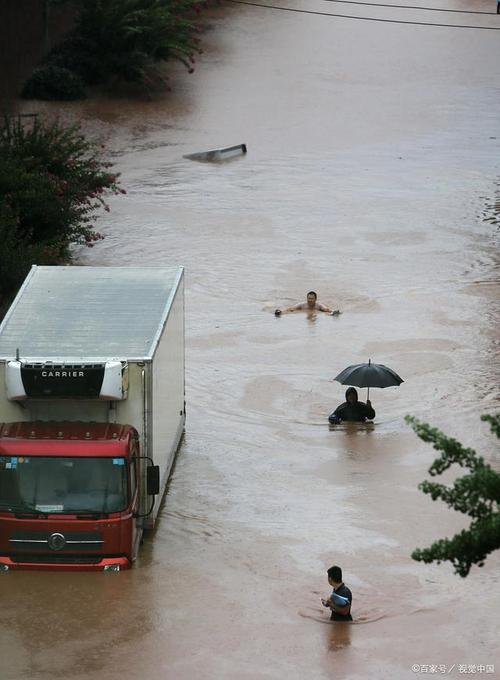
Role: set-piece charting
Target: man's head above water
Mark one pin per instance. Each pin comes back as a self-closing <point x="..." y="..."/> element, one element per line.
<point x="311" y="299"/>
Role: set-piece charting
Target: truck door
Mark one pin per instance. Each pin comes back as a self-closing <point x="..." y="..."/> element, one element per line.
<point x="135" y="497"/>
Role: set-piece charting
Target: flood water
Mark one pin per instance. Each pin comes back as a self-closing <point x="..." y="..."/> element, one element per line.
<point x="373" y="151"/>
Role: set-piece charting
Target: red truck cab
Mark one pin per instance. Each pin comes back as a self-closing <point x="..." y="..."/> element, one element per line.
<point x="70" y="496"/>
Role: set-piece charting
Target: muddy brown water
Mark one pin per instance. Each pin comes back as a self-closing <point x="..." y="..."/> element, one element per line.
<point x="373" y="150"/>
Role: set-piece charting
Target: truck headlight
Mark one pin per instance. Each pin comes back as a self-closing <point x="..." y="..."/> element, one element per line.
<point x="4" y="567"/>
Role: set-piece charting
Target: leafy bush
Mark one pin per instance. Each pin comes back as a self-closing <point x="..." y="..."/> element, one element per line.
<point x="79" y="56"/>
<point x="126" y="37"/>
<point x="52" y="182"/>
<point x="16" y="256"/>
<point x="122" y="39"/>
<point x="476" y="494"/>
<point x="51" y="82"/>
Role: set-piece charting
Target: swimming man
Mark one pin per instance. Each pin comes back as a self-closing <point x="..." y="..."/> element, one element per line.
<point x="309" y="305"/>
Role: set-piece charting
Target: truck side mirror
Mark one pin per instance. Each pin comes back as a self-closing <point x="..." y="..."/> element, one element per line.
<point x="153" y="480"/>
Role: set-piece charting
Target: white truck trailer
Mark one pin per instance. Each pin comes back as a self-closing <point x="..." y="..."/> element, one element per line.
<point x="92" y="410"/>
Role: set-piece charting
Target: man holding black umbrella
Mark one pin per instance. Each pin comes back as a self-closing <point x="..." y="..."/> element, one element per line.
<point x="352" y="409"/>
<point x="362" y="375"/>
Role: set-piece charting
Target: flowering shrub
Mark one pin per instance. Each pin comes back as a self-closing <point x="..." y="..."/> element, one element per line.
<point x="52" y="182"/>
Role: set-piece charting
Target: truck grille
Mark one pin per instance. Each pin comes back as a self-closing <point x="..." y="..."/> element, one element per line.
<point x="54" y="541"/>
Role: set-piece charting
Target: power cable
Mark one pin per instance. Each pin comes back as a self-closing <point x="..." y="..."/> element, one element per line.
<point x="427" y="9"/>
<point x="349" y="16"/>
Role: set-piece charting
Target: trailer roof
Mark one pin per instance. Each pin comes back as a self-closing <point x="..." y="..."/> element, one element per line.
<point x="89" y="312"/>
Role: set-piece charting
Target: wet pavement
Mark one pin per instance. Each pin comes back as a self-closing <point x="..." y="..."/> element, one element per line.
<point x="373" y="155"/>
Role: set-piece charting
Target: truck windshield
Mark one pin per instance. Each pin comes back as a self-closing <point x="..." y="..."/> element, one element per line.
<point x="63" y="485"/>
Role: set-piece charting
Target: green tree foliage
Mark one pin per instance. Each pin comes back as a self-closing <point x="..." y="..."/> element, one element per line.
<point x="52" y="182"/>
<point x="476" y="494"/>
<point x="125" y="39"/>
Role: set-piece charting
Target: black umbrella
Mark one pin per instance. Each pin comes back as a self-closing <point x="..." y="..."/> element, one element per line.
<point x="369" y="375"/>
